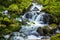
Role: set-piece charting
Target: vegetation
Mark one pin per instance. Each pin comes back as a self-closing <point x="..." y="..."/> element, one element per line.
<point x="52" y="7"/>
<point x="15" y="8"/>
<point x="56" y="37"/>
<point x="47" y="30"/>
<point x="53" y="26"/>
<point x="8" y="25"/>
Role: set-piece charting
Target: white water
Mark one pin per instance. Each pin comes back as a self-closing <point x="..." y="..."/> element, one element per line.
<point x="35" y="20"/>
<point x="36" y="5"/>
<point x="57" y="31"/>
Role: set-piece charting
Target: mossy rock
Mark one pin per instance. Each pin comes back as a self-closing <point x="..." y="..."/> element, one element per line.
<point x="53" y="26"/>
<point x="55" y="37"/>
<point x="14" y="27"/>
<point x="8" y="25"/>
<point x="13" y="7"/>
<point x="1" y="18"/>
<point x="46" y="30"/>
<point x="6" y="31"/>
<point x="46" y="27"/>
<point x="7" y="19"/>
<point x="2" y="26"/>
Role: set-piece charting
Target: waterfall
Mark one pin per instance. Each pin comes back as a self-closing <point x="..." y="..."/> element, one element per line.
<point x="34" y="19"/>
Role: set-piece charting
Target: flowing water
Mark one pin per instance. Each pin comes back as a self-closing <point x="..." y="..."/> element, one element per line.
<point x="33" y="19"/>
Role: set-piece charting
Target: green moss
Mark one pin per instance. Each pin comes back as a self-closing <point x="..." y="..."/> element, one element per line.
<point x="14" y="15"/>
<point x="12" y="26"/>
<point x="8" y="25"/>
<point x="13" y="7"/>
<point x="6" y="31"/>
<point x="2" y="26"/>
<point x="6" y="19"/>
<point x="15" y="27"/>
<point x="44" y="2"/>
<point x="51" y="6"/>
<point x="56" y="37"/>
<point x="2" y="8"/>
<point x="47" y="28"/>
<point x="1" y="18"/>
<point x="25" y="4"/>
<point x="53" y="26"/>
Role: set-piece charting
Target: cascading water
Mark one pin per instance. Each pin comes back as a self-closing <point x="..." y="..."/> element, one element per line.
<point x="34" y="19"/>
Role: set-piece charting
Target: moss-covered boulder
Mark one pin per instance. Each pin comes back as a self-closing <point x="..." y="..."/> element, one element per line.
<point x="13" y="7"/>
<point x="53" y="26"/>
<point x="8" y="25"/>
<point x="14" y="27"/>
<point x="46" y="30"/>
<point x="6" y="31"/>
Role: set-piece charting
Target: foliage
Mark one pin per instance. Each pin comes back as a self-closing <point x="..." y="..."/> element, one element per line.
<point x="8" y="25"/>
<point x="13" y="7"/>
<point x="25" y="4"/>
<point x="56" y="37"/>
<point x="2" y="8"/>
<point x="51" y="6"/>
<point x="16" y="6"/>
<point x="5" y="3"/>
<point x="44" y="2"/>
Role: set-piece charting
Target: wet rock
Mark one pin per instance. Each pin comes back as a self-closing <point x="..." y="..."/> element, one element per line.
<point x="40" y="31"/>
<point x="45" y="31"/>
<point x="28" y="15"/>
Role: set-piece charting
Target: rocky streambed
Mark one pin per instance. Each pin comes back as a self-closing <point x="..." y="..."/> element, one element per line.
<point x="35" y="25"/>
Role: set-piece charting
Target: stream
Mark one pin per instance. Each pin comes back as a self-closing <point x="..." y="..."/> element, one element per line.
<point x="33" y="19"/>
